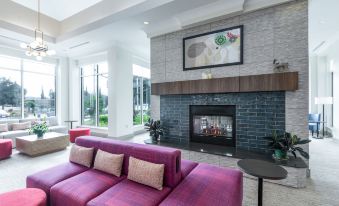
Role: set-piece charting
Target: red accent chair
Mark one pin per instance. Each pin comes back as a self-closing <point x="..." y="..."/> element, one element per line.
<point x="5" y="148"/>
<point x="24" y="197"/>
<point x="78" y="132"/>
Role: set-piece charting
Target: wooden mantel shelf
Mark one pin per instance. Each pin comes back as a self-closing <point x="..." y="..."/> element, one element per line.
<point x="287" y="81"/>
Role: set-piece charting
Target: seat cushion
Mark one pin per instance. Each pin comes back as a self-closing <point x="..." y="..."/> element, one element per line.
<point x="186" y="167"/>
<point x="129" y="193"/>
<point x="208" y="185"/>
<point x="47" y="178"/>
<point x="5" y="148"/>
<point x="81" y="188"/>
<point x="26" y="197"/>
<point x="78" y="132"/>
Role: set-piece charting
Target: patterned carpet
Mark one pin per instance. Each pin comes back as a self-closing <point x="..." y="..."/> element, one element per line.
<point x="322" y="188"/>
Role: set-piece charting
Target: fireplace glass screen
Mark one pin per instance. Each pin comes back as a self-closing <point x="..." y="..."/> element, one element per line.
<point x="213" y="126"/>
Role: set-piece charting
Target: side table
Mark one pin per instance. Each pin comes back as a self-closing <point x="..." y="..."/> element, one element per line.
<point x="262" y="170"/>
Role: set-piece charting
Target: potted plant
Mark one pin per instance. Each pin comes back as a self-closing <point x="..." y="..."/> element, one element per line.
<point x="285" y="143"/>
<point x="155" y="129"/>
<point x="39" y="129"/>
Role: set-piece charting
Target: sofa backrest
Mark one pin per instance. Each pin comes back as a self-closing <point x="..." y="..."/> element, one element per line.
<point x="171" y="158"/>
<point x="9" y="122"/>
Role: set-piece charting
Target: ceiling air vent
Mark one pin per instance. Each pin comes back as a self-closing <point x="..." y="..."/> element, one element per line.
<point x="79" y="45"/>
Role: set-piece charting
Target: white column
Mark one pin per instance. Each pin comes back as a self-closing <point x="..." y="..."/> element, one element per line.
<point x="62" y="88"/>
<point x="120" y="89"/>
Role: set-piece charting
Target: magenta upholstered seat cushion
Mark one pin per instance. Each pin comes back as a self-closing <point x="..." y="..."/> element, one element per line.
<point x="24" y="197"/>
<point x="47" y="178"/>
<point x="129" y="193"/>
<point x="186" y="167"/>
<point x="5" y="148"/>
<point x="208" y="185"/>
<point x="81" y="188"/>
<point x="155" y="154"/>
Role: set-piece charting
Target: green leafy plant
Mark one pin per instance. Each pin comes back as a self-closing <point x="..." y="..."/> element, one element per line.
<point x="285" y="143"/>
<point x="155" y="129"/>
<point x="39" y="129"/>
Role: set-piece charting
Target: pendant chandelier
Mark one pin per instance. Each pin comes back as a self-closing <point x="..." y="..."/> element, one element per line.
<point x="38" y="48"/>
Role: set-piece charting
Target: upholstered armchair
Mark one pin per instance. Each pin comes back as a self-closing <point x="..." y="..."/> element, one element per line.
<point x="314" y="123"/>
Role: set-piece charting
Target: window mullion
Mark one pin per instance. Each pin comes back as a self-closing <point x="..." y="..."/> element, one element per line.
<point x="97" y="95"/>
<point x="142" y="99"/>
<point x="22" y="89"/>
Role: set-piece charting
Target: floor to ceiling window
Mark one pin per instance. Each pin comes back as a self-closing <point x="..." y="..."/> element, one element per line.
<point x="141" y="95"/>
<point x="27" y="88"/>
<point x="39" y="89"/>
<point x="94" y="95"/>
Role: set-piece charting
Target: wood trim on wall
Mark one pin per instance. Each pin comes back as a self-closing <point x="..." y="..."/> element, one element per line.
<point x="287" y="81"/>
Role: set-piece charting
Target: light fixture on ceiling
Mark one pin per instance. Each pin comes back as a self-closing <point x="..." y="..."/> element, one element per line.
<point x="146" y="22"/>
<point x="38" y="48"/>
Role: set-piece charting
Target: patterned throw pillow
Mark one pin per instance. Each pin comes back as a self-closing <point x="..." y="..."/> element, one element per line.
<point x="146" y="173"/>
<point x="108" y="162"/>
<point x="81" y="155"/>
<point x="21" y="126"/>
<point x="4" y="127"/>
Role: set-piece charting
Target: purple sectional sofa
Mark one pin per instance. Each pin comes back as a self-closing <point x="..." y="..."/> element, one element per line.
<point x="185" y="182"/>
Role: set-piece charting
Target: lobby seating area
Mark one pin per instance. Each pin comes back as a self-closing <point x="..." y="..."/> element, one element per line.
<point x="185" y="182"/>
<point x="169" y="103"/>
<point x="20" y="127"/>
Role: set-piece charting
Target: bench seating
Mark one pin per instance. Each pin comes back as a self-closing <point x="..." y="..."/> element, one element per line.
<point x="185" y="182"/>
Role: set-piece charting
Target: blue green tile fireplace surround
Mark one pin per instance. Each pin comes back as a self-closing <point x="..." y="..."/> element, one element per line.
<point x="257" y="115"/>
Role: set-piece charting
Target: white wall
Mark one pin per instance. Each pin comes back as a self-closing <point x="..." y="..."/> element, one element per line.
<point x="333" y="55"/>
<point x="321" y="85"/>
<point x="62" y="90"/>
<point x="120" y="89"/>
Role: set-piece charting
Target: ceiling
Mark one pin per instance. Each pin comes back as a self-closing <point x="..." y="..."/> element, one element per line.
<point x="323" y="25"/>
<point x="58" y="9"/>
<point x="79" y="27"/>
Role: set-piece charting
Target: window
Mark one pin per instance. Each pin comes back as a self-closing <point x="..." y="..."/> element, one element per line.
<point x="39" y="89"/>
<point x="27" y="88"/>
<point x="10" y="88"/>
<point x="141" y="94"/>
<point x="94" y="95"/>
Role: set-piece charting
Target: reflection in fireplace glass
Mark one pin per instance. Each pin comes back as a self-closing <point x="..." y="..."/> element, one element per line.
<point x="215" y="126"/>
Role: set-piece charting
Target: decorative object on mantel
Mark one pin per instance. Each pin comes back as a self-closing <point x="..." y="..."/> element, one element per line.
<point x="155" y="129"/>
<point x="214" y="49"/>
<point x="39" y="129"/>
<point x="38" y="47"/>
<point x="207" y="75"/>
<point x="280" y="67"/>
<point x="285" y="143"/>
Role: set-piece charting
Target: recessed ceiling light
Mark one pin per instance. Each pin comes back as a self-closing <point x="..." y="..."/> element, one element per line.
<point x="146" y="22"/>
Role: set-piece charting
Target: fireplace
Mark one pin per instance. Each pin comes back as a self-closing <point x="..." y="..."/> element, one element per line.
<point x="213" y="124"/>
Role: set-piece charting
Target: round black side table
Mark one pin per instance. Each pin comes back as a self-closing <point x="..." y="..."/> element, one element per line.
<point x="262" y="170"/>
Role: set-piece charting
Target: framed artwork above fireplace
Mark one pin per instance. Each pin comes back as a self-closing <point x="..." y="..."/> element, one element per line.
<point x="214" y="49"/>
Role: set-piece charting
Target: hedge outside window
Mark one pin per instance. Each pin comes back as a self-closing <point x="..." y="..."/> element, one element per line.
<point x="141" y="95"/>
<point x="94" y="95"/>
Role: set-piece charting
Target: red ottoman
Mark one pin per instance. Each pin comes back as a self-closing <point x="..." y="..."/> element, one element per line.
<point x="24" y="197"/>
<point x="77" y="132"/>
<point x="5" y="148"/>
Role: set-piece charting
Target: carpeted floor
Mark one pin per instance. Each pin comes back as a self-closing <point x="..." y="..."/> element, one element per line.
<point x="322" y="188"/>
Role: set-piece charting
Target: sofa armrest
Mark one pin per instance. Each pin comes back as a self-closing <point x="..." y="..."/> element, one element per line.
<point x="208" y="185"/>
